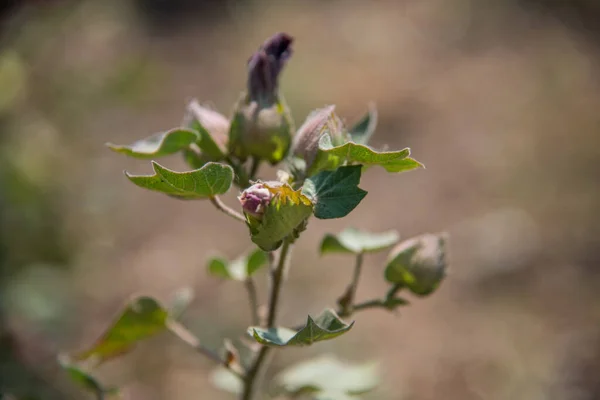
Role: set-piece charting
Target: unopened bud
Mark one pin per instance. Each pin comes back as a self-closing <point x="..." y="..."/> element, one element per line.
<point x="255" y="200"/>
<point x="319" y="122"/>
<point x="419" y="263"/>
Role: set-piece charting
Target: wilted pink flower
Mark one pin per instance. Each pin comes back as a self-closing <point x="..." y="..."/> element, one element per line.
<point x="265" y="66"/>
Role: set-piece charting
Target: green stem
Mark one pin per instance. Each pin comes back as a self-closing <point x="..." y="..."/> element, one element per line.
<point x="226" y="209"/>
<point x="253" y="298"/>
<point x="375" y="303"/>
<point x="276" y="275"/>
<point x="346" y="302"/>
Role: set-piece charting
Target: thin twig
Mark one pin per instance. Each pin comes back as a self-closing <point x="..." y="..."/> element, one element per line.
<point x="253" y="298"/>
<point x="186" y="336"/>
<point x="276" y="274"/>
<point x="375" y="303"/>
<point x="226" y="209"/>
<point x="346" y="302"/>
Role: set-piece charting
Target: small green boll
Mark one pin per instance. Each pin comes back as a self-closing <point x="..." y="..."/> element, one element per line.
<point x="419" y="263"/>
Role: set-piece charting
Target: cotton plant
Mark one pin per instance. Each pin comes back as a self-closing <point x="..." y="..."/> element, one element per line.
<point x="319" y="167"/>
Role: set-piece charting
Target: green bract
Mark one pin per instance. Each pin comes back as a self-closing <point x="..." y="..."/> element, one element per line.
<point x="262" y="132"/>
<point x="285" y="215"/>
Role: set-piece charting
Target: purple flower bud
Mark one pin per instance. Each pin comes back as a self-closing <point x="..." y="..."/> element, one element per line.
<point x="255" y="199"/>
<point x="265" y="66"/>
<point x="318" y="122"/>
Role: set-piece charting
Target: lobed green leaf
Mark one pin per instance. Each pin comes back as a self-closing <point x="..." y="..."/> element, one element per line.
<point x="356" y="241"/>
<point x="210" y="180"/>
<point x="325" y="327"/>
<point x="335" y="193"/>
<point x="330" y="157"/>
<point x="158" y="145"/>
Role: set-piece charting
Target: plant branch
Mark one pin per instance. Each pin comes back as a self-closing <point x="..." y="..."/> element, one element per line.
<point x="276" y="274"/>
<point x="253" y="298"/>
<point x="186" y="336"/>
<point x="346" y="302"/>
<point x="226" y="209"/>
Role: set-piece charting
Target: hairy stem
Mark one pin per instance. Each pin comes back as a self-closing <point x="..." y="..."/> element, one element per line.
<point x="253" y="298"/>
<point x="226" y="209"/>
<point x="346" y="302"/>
<point x="276" y="275"/>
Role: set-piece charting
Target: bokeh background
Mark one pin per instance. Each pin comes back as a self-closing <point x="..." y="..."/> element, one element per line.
<point x="500" y="99"/>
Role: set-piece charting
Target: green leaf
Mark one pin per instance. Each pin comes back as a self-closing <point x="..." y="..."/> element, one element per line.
<point x="210" y="180"/>
<point x="419" y="263"/>
<point x="362" y="131"/>
<point x="142" y="318"/>
<point x="285" y="214"/>
<point x="330" y="157"/>
<point x="158" y="145"/>
<point x="335" y="193"/>
<point x="325" y="327"/>
<point x="239" y="269"/>
<point x="226" y="380"/>
<point x="355" y="241"/>
<point x="327" y="378"/>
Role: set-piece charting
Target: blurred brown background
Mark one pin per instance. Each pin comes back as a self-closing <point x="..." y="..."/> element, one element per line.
<point x="500" y="99"/>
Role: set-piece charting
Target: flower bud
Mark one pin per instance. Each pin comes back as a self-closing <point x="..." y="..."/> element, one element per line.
<point x="418" y="263"/>
<point x="319" y="122"/>
<point x="255" y="200"/>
